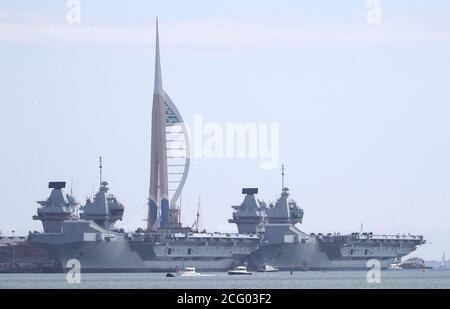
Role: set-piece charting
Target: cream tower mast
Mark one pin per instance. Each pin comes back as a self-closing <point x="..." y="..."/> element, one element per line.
<point x="158" y="195"/>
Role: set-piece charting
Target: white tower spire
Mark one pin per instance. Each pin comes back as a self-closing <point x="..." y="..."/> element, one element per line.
<point x="158" y="193"/>
<point x="158" y="79"/>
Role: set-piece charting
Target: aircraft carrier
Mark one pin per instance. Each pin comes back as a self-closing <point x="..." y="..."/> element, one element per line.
<point x="93" y="240"/>
<point x="285" y="246"/>
<point x="267" y="234"/>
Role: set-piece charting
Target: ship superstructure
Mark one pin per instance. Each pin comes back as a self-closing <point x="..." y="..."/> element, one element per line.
<point x="249" y="216"/>
<point x="105" y="210"/>
<point x="56" y="209"/>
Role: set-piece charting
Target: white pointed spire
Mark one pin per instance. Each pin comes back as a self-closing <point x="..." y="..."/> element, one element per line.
<point x="158" y="78"/>
<point x="158" y="193"/>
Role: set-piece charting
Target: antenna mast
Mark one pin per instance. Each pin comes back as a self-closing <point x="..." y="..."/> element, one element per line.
<point x="198" y="214"/>
<point x="100" y="167"/>
<point x="197" y="220"/>
<point x="282" y="177"/>
<point x="443" y="261"/>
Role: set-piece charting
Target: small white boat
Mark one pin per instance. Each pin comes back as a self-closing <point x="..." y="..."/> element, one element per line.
<point x="188" y="272"/>
<point x="394" y="266"/>
<point x="266" y="268"/>
<point x="240" y="270"/>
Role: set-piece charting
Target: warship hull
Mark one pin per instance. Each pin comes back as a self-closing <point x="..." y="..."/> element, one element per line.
<point x="100" y="251"/>
<point x="108" y="258"/>
<point x="286" y="247"/>
<point x="310" y="257"/>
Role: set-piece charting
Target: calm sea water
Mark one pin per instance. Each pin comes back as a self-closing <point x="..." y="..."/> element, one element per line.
<point x="332" y="279"/>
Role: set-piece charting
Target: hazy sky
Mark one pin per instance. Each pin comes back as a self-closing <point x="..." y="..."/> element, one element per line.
<point x="363" y="108"/>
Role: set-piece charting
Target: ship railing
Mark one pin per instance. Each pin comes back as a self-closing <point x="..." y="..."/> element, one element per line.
<point x="218" y="235"/>
<point x="366" y="236"/>
<point x="388" y="237"/>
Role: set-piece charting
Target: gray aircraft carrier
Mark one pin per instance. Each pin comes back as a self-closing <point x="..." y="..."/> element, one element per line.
<point x="286" y="247"/>
<point x="267" y="234"/>
<point x="99" y="247"/>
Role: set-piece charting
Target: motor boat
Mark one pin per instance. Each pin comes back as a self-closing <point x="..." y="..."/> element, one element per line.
<point x="188" y="272"/>
<point x="240" y="270"/>
<point x="266" y="268"/>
